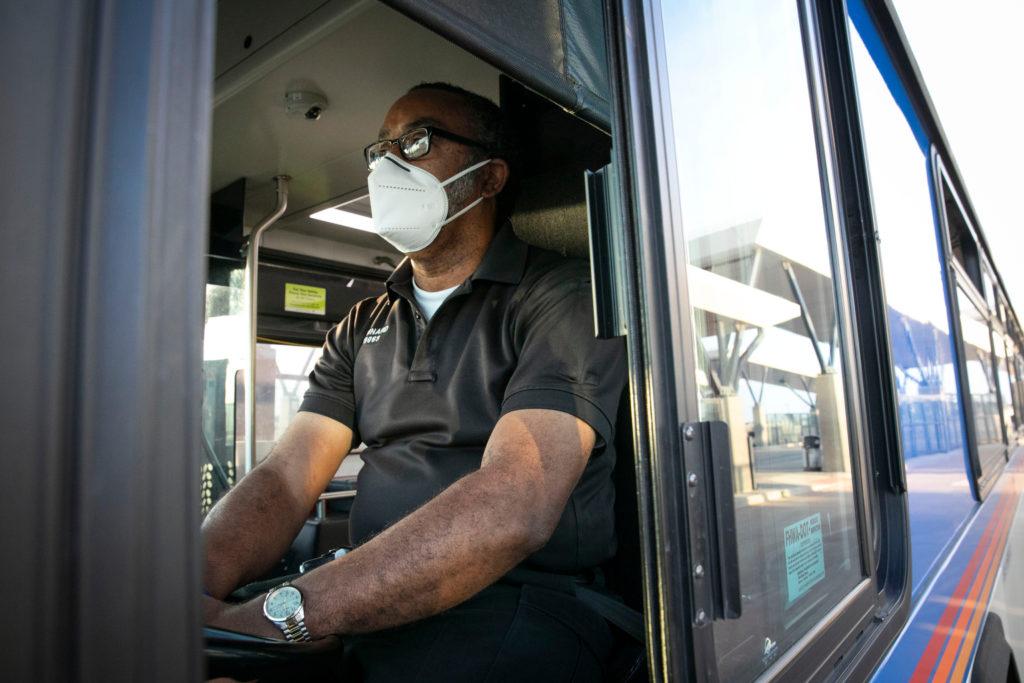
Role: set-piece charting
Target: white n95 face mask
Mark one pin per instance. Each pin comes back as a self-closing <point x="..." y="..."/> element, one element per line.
<point x="409" y="204"/>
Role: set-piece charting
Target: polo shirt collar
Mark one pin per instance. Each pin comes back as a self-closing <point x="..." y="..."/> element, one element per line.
<point x="505" y="258"/>
<point x="504" y="261"/>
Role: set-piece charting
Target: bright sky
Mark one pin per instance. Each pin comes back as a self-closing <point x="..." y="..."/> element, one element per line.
<point x="972" y="61"/>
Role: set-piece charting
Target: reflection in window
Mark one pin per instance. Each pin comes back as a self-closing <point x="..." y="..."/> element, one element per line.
<point x="980" y="364"/>
<point x="1017" y="385"/>
<point x="768" y="337"/>
<point x="931" y="423"/>
<point x="1004" y="354"/>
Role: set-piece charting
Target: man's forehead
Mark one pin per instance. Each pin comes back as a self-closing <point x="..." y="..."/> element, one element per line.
<point x="402" y="126"/>
<point x="424" y="108"/>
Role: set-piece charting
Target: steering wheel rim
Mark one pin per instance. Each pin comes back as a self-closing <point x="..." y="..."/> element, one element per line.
<point x="244" y="656"/>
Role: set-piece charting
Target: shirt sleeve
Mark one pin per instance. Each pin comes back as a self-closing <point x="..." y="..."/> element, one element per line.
<point x="331" y="392"/>
<point x="562" y="366"/>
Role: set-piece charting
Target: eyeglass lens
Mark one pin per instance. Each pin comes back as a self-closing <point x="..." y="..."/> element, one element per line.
<point x="414" y="144"/>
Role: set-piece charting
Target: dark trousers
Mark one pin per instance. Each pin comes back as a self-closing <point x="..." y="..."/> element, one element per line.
<point x="508" y="632"/>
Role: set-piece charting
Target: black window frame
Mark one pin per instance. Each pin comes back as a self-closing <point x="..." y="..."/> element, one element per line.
<point x="639" y="146"/>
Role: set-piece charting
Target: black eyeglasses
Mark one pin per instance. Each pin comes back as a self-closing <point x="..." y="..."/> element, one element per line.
<point x="413" y="144"/>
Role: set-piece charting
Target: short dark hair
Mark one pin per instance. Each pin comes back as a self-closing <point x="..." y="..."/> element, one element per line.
<point x="491" y="127"/>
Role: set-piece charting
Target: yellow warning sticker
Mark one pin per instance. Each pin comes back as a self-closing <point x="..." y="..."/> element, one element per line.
<point x="305" y="299"/>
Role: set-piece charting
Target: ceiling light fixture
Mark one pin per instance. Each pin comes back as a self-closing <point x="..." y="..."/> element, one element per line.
<point x="354" y="213"/>
<point x="346" y="218"/>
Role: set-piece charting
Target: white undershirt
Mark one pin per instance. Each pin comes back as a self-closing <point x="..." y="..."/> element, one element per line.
<point x="429" y="302"/>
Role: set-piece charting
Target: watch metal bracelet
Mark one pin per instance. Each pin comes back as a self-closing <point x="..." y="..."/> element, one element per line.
<point x="295" y="631"/>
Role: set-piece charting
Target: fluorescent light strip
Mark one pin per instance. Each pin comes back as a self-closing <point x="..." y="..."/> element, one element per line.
<point x="346" y="218"/>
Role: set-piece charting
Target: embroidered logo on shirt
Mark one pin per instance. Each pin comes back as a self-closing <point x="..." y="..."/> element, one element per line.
<point x="374" y="334"/>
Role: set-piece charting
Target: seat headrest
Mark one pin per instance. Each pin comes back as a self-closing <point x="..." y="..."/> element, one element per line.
<point x="551" y="212"/>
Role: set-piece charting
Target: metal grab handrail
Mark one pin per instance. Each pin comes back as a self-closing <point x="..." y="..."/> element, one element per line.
<point x="252" y="265"/>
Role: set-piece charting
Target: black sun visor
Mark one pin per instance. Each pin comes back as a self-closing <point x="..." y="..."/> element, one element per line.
<point x="556" y="47"/>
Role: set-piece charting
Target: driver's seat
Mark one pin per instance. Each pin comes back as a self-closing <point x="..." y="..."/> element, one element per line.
<point x="551" y="213"/>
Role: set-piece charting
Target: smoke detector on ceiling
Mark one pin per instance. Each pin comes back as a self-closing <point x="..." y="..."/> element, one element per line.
<point x="305" y="103"/>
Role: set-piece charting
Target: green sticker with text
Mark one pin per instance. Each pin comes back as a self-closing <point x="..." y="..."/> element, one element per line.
<point x="805" y="555"/>
<point x="305" y="299"/>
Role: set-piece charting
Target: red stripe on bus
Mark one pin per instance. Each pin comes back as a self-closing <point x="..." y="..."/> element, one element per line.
<point x="977" y="595"/>
<point x="931" y="653"/>
<point x="967" y="647"/>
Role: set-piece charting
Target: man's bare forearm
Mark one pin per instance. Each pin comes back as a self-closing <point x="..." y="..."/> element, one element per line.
<point x="460" y="542"/>
<point x="253" y="525"/>
<point x="248" y="530"/>
<point x="432" y="560"/>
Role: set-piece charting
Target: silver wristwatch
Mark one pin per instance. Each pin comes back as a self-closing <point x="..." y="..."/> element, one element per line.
<point x="283" y="606"/>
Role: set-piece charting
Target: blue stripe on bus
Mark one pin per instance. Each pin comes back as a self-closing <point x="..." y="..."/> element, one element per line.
<point x="880" y="55"/>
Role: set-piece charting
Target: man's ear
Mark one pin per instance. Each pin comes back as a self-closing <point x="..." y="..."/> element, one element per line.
<point x="495" y="176"/>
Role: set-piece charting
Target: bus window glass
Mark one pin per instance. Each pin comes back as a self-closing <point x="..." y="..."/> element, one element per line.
<point x="224" y="354"/>
<point x="930" y="412"/>
<point x="282" y="377"/>
<point x="980" y="363"/>
<point x="1004" y="352"/>
<point x="764" y="298"/>
<point x="1017" y="381"/>
<point x="990" y="292"/>
<point x="1013" y="370"/>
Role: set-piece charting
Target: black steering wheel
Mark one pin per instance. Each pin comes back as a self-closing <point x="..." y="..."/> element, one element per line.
<point x="244" y="657"/>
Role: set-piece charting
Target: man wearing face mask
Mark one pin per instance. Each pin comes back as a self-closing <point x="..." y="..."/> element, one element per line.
<point x="487" y="409"/>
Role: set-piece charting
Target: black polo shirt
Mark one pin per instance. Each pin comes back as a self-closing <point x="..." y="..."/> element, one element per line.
<point x="424" y="397"/>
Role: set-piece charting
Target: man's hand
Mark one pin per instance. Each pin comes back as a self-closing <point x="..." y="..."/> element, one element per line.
<point x="246" y="617"/>
<point x="463" y="540"/>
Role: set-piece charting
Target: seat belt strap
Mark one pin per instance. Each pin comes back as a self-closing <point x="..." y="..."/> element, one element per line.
<point x="626" y="618"/>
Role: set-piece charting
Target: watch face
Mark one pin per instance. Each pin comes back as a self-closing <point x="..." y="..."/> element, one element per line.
<point x="282" y="603"/>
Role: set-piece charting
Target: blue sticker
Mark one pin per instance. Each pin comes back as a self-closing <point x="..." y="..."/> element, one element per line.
<point x="805" y="556"/>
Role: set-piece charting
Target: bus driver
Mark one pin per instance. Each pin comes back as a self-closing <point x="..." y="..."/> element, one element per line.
<point x="487" y="408"/>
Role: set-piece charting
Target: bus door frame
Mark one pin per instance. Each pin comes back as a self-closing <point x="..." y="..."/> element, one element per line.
<point x="107" y="189"/>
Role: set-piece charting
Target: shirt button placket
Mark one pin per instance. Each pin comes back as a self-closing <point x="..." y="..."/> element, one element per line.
<point x="420" y="323"/>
